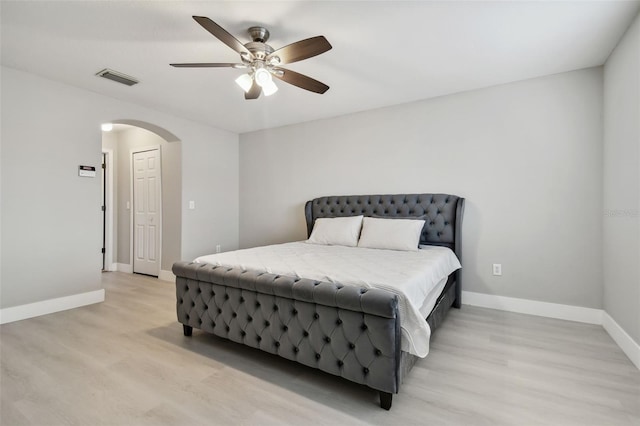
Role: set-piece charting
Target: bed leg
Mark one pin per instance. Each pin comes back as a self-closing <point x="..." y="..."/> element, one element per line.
<point x="457" y="302"/>
<point x="187" y="329"/>
<point x="385" y="400"/>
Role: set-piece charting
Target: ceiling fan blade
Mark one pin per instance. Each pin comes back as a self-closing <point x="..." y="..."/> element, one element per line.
<point x="301" y="80"/>
<point x="208" y="65"/>
<point x="222" y="35"/>
<point x="300" y="50"/>
<point x="254" y="92"/>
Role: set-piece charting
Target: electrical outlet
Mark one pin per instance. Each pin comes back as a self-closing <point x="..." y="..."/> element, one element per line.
<point x="218" y="248"/>
<point x="497" y="269"/>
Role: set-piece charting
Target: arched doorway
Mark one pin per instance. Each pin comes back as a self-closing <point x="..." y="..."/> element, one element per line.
<point x="125" y="139"/>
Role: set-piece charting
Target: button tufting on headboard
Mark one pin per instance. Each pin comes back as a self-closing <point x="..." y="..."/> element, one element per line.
<point x="439" y="210"/>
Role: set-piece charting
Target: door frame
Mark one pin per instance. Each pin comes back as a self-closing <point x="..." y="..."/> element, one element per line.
<point x="132" y="204"/>
<point x="109" y="246"/>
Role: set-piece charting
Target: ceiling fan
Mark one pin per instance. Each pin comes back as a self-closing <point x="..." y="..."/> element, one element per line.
<point x="263" y="62"/>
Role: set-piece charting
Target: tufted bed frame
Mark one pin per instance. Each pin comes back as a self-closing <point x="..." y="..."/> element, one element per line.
<point x="346" y="331"/>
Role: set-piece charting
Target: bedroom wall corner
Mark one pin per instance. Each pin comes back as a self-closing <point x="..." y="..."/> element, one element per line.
<point x="621" y="206"/>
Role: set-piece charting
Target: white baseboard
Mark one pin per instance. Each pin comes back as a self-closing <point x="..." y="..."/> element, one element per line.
<point x="166" y="276"/>
<point x="36" y="309"/>
<point x="626" y="343"/>
<point x="532" y="307"/>
<point x="558" y="311"/>
<point x="124" y="267"/>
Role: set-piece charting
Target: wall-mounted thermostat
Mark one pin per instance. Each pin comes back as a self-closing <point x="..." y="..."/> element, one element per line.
<point x="86" y="171"/>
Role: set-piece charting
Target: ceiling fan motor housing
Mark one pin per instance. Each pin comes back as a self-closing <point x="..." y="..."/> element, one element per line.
<point x="258" y="49"/>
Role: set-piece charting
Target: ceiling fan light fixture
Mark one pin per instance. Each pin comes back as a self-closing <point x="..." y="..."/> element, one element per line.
<point x="245" y="81"/>
<point x="269" y="88"/>
<point x="262" y="77"/>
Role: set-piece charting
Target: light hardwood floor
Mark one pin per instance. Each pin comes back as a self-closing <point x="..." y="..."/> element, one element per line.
<point x="126" y="362"/>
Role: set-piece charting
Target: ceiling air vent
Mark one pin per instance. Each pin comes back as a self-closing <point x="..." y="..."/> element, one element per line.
<point x="117" y="77"/>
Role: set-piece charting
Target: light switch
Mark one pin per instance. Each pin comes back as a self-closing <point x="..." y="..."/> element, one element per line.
<point x="497" y="269"/>
<point x="192" y="205"/>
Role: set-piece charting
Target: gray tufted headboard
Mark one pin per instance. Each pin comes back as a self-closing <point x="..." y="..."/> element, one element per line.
<point x="442" y="212"/>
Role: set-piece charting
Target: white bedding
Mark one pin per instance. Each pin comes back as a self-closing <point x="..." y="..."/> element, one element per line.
<point x="413" y="275"/>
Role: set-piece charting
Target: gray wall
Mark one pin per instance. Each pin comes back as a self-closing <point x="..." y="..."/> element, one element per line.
<point x="132" y="139"/>
<point x="526" y="155"/>
<point x="50" y="217"/>
<point x="622" y="183"/>
<point x="51" y="231"/>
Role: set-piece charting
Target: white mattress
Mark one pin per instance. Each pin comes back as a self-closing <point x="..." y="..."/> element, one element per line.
<point x="414" y="276"/>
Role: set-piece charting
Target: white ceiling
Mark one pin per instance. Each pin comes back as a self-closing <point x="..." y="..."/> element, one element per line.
<point x="384" y="53"/>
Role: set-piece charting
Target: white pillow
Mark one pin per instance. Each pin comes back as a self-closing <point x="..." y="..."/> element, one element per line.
<point x="391" y="234"/>
<point x="338" y="231"/>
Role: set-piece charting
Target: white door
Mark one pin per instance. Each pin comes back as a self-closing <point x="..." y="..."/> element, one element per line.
<point x="147" y="220"/>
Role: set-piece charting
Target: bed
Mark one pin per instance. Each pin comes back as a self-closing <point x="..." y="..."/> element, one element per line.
<point x="345" y="330"/>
